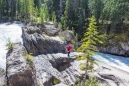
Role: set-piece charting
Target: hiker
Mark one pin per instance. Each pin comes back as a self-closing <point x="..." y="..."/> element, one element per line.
<point x="68" y="48"/>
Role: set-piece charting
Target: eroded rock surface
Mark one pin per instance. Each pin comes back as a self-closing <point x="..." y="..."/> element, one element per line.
<point x="111" y="76"/>
<point x="121" y="48"/>
<point x="19" y="73"/>
<point x="37" y="43"/>
<point x="54" y="65"/>
<point x="68" y="35"/>
<point x="47" y="66"/>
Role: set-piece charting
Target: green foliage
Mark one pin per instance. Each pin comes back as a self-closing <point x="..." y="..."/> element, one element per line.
<point x="54" y="16"/>
<point x="89" y="42"/>
<point x="60" y="25"/>
<point x="9" y="45"/>
<point x="76" y="42"/>
<point x="62" y="38"/>
<point x="55" y="81"/>
<point x="82" y="67"/>
<point x="90" y="82"/>
<point x="29" y="58"/>
<point x="31" y="9"/>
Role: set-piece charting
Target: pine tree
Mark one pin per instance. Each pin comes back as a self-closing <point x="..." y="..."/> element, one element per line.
<point x="31" y="9"/>
<point x="54" y="16"/>
<point x="41" y="16"/>
<point x="45" y="12"/>
<point x="36" y="14"/>
<point x="88" y="47"/>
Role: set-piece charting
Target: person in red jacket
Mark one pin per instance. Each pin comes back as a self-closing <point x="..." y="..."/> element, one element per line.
<point x="68" y="48"/>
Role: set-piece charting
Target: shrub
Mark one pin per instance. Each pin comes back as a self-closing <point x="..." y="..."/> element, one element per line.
<point x="29" y="58"/>
<point x="9" y="45"/>
<point x="90" y="82"/>
<point x="55" y="81"/>
<point x="82" y="67"/>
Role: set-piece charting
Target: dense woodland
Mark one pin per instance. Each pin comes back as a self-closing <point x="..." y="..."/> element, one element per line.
<point x="70" y="14"/>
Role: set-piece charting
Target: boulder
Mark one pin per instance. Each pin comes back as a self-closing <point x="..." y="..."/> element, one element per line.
<point x="52" y="31"/>
<point x="41" y="44"/>
<point x="68" y="35"/>
<point x="56" y="25"/>
<point x="32" y="29"/>
<point x="19" y="73"/>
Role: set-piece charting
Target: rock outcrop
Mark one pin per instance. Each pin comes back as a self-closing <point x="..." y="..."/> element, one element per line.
<point x="55" y="65"/>
<point x="68" y="35"/>
<point x="121" y="48"/>
<point x="67" y="71"/>
<point x="19" y="73"/>
<point x="37" y="43"/>
<point x="111" y="76"/>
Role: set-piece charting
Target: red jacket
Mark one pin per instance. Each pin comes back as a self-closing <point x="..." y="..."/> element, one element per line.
<point x="69" y="48"/>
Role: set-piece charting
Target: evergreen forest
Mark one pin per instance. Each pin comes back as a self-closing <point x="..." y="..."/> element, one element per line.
<point x="112" y="15"/>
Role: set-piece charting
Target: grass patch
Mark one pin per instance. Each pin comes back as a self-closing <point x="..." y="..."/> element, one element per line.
<point x="29" y="58"/>
<point x="9" y="45"/>
<point x="55" y="81"/>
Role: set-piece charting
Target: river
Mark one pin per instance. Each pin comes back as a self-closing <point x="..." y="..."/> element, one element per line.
<point x="8" y="30"/>
<point x="112" y="60"/>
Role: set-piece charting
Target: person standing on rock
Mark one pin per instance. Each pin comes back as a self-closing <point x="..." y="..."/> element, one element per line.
<point x="68" y="49"/>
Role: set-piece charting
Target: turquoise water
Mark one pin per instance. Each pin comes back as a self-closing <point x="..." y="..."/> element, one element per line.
<point x="112" y="60"/>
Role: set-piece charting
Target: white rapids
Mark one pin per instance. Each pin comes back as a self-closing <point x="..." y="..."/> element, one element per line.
<point x="112" y="60"/>
<point x="8" y="30"/>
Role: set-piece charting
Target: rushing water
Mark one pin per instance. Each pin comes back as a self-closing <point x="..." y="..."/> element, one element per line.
<point x="8" y="30"/>
<point x="112" y="60"/>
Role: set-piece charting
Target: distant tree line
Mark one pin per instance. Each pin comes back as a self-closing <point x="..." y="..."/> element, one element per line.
<point x="68" y="13"/>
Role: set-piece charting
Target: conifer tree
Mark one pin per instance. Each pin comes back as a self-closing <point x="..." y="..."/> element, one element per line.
<point x="36" y="14"/>
<point x="45" y="12"/>
<point x="91" y="38"/>
<point x="41" y="16"/>
<point x="31" y="9"/>
<point x="54" y="16"/>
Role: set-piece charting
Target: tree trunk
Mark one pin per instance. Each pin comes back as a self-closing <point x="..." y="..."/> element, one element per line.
<point x="86" y="69"/>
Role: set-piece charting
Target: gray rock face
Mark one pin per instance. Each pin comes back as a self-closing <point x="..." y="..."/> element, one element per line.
<point x="2" y="77"/>
<point x="19" y="73"/>
<point x="47" y="66"/>
<point x="113" y="48"/>
<point x="54" y="65"/>
<point x="37" y="43"/>
<point x="111" y="76"/>
<point x="52" y="31"/>
<point x="68" y="35"/>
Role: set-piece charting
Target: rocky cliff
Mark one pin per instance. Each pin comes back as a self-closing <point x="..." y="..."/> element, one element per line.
<point x="121" y="48"/>
<point x="38" y="43"/>
<point x="18" y="72"/>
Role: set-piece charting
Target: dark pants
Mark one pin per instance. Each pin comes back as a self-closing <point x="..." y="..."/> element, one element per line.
<point x="68" y="53"/>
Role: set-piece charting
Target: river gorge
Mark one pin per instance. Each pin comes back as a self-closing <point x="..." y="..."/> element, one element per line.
<point x="13" y="30"/>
